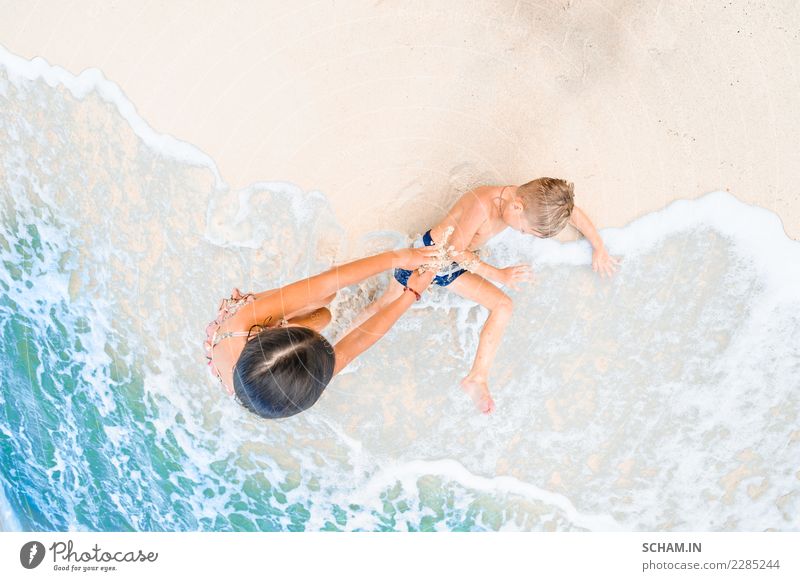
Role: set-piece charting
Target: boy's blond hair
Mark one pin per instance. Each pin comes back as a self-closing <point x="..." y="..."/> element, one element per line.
<point x="548" y="204"/>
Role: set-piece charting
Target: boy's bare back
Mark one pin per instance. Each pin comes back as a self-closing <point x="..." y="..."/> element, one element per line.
<point x="475" y="219"/>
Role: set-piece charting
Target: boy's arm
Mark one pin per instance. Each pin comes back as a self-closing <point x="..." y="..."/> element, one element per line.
<point x="470" y="261"/>
<point x="581" y="221"/>
<point x="510" y="276"/>
<point x="602" y="263"/>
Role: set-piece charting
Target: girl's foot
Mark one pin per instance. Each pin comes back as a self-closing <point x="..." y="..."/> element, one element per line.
<point x="478" y="390"/>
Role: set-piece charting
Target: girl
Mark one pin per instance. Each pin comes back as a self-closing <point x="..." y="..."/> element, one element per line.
<point x="266" y="349"/>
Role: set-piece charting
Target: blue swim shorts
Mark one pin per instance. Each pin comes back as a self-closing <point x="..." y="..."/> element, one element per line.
<point x="442" y="279"/>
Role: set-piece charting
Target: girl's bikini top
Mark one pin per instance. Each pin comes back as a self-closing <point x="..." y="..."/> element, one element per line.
<point x="227" y="308"/>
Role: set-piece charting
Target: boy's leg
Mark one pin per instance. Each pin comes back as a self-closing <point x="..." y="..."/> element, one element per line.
<point x="476" y="288"/>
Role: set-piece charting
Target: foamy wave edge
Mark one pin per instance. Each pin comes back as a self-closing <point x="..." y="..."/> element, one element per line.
<point x="407" y="473"/>
<point x="756" y="232"/>
<point x="93" y="79"/>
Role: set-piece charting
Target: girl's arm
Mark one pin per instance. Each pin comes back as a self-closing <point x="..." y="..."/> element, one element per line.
<point x="316" y="289"/>
<point x="367" y="334"/>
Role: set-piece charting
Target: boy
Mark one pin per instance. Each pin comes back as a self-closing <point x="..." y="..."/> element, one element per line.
<point x="542" y="207"/>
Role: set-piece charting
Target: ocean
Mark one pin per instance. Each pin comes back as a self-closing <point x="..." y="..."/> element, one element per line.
<point x="666" y="398"/>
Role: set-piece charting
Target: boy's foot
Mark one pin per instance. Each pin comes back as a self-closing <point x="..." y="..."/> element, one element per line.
<point x="478" y="390"/>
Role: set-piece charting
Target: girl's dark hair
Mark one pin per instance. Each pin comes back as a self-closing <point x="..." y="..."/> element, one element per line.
<point x="283" y="371"/>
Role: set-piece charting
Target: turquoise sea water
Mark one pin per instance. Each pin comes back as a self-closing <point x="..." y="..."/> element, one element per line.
<point x="667" y="398"/>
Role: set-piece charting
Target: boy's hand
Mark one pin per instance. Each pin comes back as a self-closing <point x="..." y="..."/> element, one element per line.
<point x="602" y="263"/>
<point x="411" y="258"/>
<point x="513" y="276"/>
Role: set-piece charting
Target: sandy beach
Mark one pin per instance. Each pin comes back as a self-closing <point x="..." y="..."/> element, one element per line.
<point x="389" y="107"/>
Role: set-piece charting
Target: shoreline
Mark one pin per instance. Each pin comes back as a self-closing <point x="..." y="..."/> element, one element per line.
<point x="390" y="109"/>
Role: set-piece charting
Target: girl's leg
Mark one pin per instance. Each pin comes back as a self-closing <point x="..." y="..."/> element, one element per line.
<point x="392" y="293"/>
<point x="476" y="288"/>
<point x="317" y="319"/>
<point x="308" y="309"/>
<point x="264" y="293"/>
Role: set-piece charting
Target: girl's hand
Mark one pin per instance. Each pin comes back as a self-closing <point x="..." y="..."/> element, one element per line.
<point x="513" y="276"/>
<point x="411" y="258"/>
<point x="420" y="282"/>
<point x="602" y="263"/>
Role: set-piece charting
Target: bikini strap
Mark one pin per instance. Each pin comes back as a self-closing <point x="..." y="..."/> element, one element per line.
<point x="217" y="338"/>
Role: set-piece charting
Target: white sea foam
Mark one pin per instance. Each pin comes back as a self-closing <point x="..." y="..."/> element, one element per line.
<point x="452" y="471"/>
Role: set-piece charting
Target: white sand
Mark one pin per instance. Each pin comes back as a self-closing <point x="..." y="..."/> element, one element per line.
<point x="388" y="106"/>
